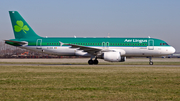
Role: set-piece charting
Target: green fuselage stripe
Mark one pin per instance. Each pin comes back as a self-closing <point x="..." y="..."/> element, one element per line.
<point x="99" y="42"/>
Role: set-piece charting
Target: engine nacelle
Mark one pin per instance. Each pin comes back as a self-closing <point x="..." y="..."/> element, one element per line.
<point x="113" y="57"/>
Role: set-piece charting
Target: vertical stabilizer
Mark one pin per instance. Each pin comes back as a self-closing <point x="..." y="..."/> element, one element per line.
<point x="21" y="28"/>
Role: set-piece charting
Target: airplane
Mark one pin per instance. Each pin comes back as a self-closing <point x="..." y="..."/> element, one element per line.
<point x="110" y="49"/>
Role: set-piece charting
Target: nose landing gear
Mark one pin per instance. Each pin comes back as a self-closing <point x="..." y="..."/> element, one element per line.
<point x="150" y="61"/>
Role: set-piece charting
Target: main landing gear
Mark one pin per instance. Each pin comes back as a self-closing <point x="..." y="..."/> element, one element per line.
<point x="91" y="62"/>
<point x="150" y="61"/>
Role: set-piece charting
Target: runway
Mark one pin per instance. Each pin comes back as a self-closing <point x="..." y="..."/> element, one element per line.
<point x="84" y="60"/>
<point x="130" y="62"/>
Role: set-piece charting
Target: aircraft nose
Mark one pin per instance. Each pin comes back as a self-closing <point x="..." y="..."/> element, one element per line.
<point x="172" y="50"/>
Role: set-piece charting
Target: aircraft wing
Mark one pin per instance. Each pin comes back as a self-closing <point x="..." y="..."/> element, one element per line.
<point x="15" y="42"/>
<point x="90" y="50"/>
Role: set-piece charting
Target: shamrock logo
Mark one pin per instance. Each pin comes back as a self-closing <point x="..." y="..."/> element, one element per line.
<point x="20" y="26"/>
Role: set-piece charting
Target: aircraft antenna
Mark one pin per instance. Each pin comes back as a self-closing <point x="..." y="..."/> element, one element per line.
<point x="108" y="35"/>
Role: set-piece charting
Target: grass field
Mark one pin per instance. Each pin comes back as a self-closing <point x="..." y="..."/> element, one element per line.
<point x="84" y="82"/>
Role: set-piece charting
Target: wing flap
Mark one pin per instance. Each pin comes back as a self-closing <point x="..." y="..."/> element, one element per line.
<point x="85" y="49"/>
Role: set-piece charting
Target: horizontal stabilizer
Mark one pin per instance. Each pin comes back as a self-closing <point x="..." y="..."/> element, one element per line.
<point x="15" y="42"/>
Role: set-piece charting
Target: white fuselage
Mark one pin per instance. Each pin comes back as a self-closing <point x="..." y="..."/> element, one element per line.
<point x="129" y="51"/>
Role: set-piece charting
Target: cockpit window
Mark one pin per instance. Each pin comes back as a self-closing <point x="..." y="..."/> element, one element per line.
<point x="163" y="44"/>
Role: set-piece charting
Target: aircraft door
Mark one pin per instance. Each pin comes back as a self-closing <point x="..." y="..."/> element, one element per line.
<point x="150" y="44"/>
<point x="105" y="45"/>
<point x="38" y="44"/>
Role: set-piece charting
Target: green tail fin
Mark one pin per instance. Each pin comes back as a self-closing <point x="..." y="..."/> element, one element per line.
<point x="20" y="26"/>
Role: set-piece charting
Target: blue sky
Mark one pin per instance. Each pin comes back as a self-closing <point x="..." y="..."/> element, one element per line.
<point x="93" y="18"/>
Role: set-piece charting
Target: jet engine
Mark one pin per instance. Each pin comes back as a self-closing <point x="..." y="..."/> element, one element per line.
<point x="113" y="57"/>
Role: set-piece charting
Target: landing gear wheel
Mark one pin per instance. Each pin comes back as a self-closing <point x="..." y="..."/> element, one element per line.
<point x="151" y="63"/>
<point x="96" y="62"/>
<point x="90" y="62"/>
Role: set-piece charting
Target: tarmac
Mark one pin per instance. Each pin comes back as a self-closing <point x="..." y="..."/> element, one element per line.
<point x="68" y="61"/>
<point x="84" y="60"/>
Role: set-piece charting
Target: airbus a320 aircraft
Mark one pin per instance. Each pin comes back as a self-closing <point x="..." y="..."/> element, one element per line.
<point x="109" y="49"/>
